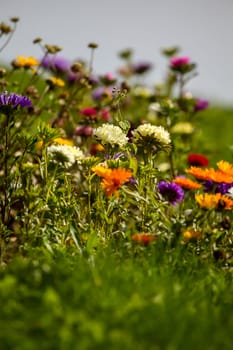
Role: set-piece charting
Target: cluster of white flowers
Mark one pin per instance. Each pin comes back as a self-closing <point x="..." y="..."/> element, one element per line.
<point x="64" y="154"/>
<point x="157" y="133"/>
<point x="111" y="134"/>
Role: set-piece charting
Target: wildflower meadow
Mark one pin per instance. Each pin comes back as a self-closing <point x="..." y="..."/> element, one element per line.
<point x="116" y="205"/>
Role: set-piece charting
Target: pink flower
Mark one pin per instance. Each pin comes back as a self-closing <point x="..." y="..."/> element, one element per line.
<point x="177" y="62"/>
<point x="89" y="112"/>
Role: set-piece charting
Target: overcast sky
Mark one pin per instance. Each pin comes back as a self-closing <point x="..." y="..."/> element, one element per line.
<point x="203" y="29"/>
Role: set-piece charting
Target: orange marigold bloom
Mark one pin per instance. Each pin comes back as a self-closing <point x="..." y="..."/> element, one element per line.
<point x="113" y="180"/>
<point x="209" y="174"/>
<point x="214" y="201"/>
<point x="225" y="167"/>
<point x="199" y="173"/>
<point x="186" y="183"/>
<point x="144" y="238"/>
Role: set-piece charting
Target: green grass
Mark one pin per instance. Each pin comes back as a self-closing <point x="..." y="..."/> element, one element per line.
<point x="216" y="133"/>
<point x="129" y="298"/>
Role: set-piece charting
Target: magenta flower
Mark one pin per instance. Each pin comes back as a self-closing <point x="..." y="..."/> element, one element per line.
<point x="177" y="62"/>
<point x="171" y="192"/>
<point x="200" y="104"/>
<point x="89" y="112"/>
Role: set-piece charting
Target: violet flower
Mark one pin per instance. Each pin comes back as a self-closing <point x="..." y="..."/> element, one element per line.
<point x="171" y="192"/>
<point x="12" y="101"/>
<point x="200" y="104"/>
<point x="57" y="63"/>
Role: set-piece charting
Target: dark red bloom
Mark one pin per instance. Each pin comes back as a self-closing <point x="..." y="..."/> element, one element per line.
<point x="196" y="159"/>
<point x="89" y="112"/>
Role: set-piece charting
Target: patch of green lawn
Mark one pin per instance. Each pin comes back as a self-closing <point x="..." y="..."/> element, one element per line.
<point x="139" y="298"/>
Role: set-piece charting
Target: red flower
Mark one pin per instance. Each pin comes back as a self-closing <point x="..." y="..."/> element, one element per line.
<point x="89" y="112"/>
<point x="196" y="159"/>
<point x="144" y="238"/>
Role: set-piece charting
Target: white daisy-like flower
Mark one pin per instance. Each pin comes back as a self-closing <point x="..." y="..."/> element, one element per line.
<point x="152" y="134"/>
<point x="111" y="134"/>
<point x="64" y="154"/>
<point x="230" y="192"/>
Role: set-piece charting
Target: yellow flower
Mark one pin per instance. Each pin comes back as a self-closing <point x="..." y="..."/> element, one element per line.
<point x="225" y="167"/>
<point x="62" y="141"/>
<point x="56" y="81"/>
<point x="214" y="201"/>
<point x="101" y="170"/>
<point x="26" y="62"/>
<point x="192" y="235"/>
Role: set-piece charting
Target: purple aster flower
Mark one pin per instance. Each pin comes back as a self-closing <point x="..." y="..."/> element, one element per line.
<point x="208" y="186"/>
<point x="57" y="63"/>
<point x="13" y="100"/>
<point x="200" y="104"/>
<point x="223" y="187"/>
<point x="172" y="192"/>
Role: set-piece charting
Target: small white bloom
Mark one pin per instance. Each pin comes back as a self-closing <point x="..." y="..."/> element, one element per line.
<point x="111" y="134"/>
<point x="230" y="192"/>
<point x="155" y="107"/>
<point x="64" y="154"/>
<point x="157" y="133"/>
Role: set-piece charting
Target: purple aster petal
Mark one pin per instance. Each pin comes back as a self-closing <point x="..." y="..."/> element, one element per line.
<point x="223" y="187"/>
<point x="55" y="63"/>
<point x="208" y="186"/>
<point x="172" y="192"/>
<point x="14" y="100"/>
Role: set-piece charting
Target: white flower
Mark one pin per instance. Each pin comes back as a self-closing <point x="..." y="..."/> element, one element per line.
<point x="64" y="154"/>
<point x="230" y="192"/>
<point x="155" y="107"/>
<point x="182" y="128"/>
<point x="155" y="133"/>
<point x="111" y="134"/>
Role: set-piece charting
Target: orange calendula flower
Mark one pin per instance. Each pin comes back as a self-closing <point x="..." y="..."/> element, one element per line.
<point x="209" y="174"/>
<point x="25" y="62"/>
<point x="144" y="238"/>
<point x="225" y="167"/>
<point x="113" y="179"/>
<point x="186" y="183"/>
<point x="214" y="201"/>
